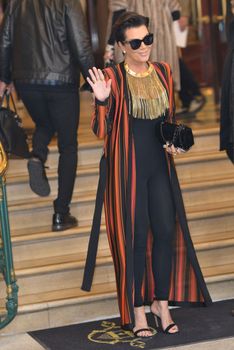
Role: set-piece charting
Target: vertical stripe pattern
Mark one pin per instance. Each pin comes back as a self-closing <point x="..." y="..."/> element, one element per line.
<point x="187" y="283"/>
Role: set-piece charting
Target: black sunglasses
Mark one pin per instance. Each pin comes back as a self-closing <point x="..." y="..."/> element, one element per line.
<point x="136" y="43"/>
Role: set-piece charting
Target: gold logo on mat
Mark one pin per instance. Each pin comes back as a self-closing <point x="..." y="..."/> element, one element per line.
<point x="114" y="334"/>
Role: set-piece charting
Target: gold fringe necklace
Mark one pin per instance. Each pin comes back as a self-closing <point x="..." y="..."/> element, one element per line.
<point x="148" y="97"/>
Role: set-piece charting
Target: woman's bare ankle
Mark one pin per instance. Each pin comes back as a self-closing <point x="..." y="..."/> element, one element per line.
<point x="141" y="322"/>
<point x="163" y="304"/>
<point x="159" y="306"/>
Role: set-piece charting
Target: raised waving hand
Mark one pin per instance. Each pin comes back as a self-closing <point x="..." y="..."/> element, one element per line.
<point x="101" y="88"/>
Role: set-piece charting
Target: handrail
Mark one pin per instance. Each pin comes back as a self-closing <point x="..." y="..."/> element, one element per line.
<point x="6" y="257"/>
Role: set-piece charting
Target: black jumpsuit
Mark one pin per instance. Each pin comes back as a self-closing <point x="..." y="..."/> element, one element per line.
<point x="154" y="208"/>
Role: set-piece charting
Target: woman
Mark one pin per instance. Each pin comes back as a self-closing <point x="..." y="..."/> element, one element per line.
<point x="153" y="255"/>
<point x="161" y="14"/>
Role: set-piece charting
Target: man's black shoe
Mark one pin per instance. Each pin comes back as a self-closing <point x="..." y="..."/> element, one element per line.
<point x="37" y="177"/>
<point x="197" y="104"/>
<point x="63" y="222"/>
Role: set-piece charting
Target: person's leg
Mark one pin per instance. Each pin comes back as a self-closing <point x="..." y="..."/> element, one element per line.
<point x="64" y="111"/>
<point x="140" y="238"/>
<point x="140" y="242"/>
<point x="188" y="80"/>
<point x="162" y="219"/>
<point x="141" y="226"/>
<point x="34" y="100"/>
<point x="184" y="93"/>
<point x="190" y="94"/>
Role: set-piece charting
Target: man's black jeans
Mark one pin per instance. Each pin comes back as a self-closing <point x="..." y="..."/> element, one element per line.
<point x="189" y="86"/>
<point x="55" y="109"/>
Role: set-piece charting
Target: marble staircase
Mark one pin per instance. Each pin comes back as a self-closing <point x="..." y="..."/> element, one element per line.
<point x="49" y="266"/>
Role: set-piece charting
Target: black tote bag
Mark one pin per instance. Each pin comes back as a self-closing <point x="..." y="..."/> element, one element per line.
<point x="12" y="135"/>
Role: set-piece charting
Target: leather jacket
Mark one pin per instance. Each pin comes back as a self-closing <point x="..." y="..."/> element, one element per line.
<point x="44" y="41"/>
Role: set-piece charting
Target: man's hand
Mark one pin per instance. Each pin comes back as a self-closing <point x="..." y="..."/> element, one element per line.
<point x="183" y="23"/>
<point x="3" y="87"/>
<point x="109" y="53"/>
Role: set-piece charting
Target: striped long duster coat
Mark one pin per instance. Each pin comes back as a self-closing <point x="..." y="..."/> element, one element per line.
<point x="117" y="184"/>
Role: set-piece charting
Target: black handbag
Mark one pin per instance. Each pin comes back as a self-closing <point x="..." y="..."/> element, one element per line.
<point x="12" y="135"/>
<point x="179" y="135"/>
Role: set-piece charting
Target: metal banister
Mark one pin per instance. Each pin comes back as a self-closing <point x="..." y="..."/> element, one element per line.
<point x="6" y="258"/>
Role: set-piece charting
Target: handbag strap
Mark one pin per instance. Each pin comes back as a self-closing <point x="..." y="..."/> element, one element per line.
<point x="13" y="102"/>
<point x="4" y="97"/>
<point x="161" y="132"/>
<point x="7" y="96"/>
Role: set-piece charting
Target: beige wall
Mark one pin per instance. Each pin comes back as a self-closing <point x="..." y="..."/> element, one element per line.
<point x="83" y="4"/>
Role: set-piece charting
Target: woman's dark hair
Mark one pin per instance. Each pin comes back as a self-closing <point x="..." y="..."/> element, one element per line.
<point x="126" y="21"/>
<point x="3" y="3"/>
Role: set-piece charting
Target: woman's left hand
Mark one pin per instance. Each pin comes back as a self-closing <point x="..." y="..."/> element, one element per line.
<point x="171" y="149"/>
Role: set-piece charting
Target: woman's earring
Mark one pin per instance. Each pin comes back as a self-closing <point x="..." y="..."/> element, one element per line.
<point x="124" y="52"/>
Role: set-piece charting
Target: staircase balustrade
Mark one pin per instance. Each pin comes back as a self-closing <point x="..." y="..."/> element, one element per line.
<point x="6" y="257"/>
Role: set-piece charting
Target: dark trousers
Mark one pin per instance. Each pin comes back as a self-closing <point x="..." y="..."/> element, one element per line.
<point x="154" y="208"/>
<point x="55" y="110"/>
<point x="189" y="86"/>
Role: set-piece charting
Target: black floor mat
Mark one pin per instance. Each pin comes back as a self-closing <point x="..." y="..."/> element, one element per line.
<point x="196" y="324"/>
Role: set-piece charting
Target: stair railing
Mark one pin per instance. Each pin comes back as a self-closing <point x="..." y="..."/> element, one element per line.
<point x="6" y="257"/>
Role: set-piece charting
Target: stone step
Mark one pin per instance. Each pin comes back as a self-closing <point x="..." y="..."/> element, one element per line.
<point x="44" y="233"/>
<point x="214" y="189"/>
<point x="40" y="243"/>
<point x="87" y="175"/>
<point x="38" y="211"/>
<point x="215" y="222"/>
<point x="216" y="257"/>
<point x="205" y="218"/>
<point x="46" y="243"/>
<point x="204" y="139"/>
<point x="190" y="178"/>
<point x="211" y="218"/>
<point x="90" y="147"/>
<point x="18" y="185"/>
<point x="49" y="266"/>
<point x="209" y="210"/>
<point x="40" y="275"/>
<point x="63" y="307"/>
<point x="192" y="166"/>
<point x="204" y="191"/>
<point x="87" y="179"/>
<point x="66" y="267"/>
<point x="212" y="186"/>
<point x="72" y="305"/>
<point x="218" y="273"/>
<point x="89" y="153"/>
<point x="213" y="240"/>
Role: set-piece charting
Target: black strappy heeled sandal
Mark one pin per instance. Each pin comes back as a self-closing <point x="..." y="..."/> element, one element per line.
<point x="166" y="330"/>
<point x="142" y="330"/>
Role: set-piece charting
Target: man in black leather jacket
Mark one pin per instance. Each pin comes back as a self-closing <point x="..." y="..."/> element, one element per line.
<point x="44" y="44"/>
